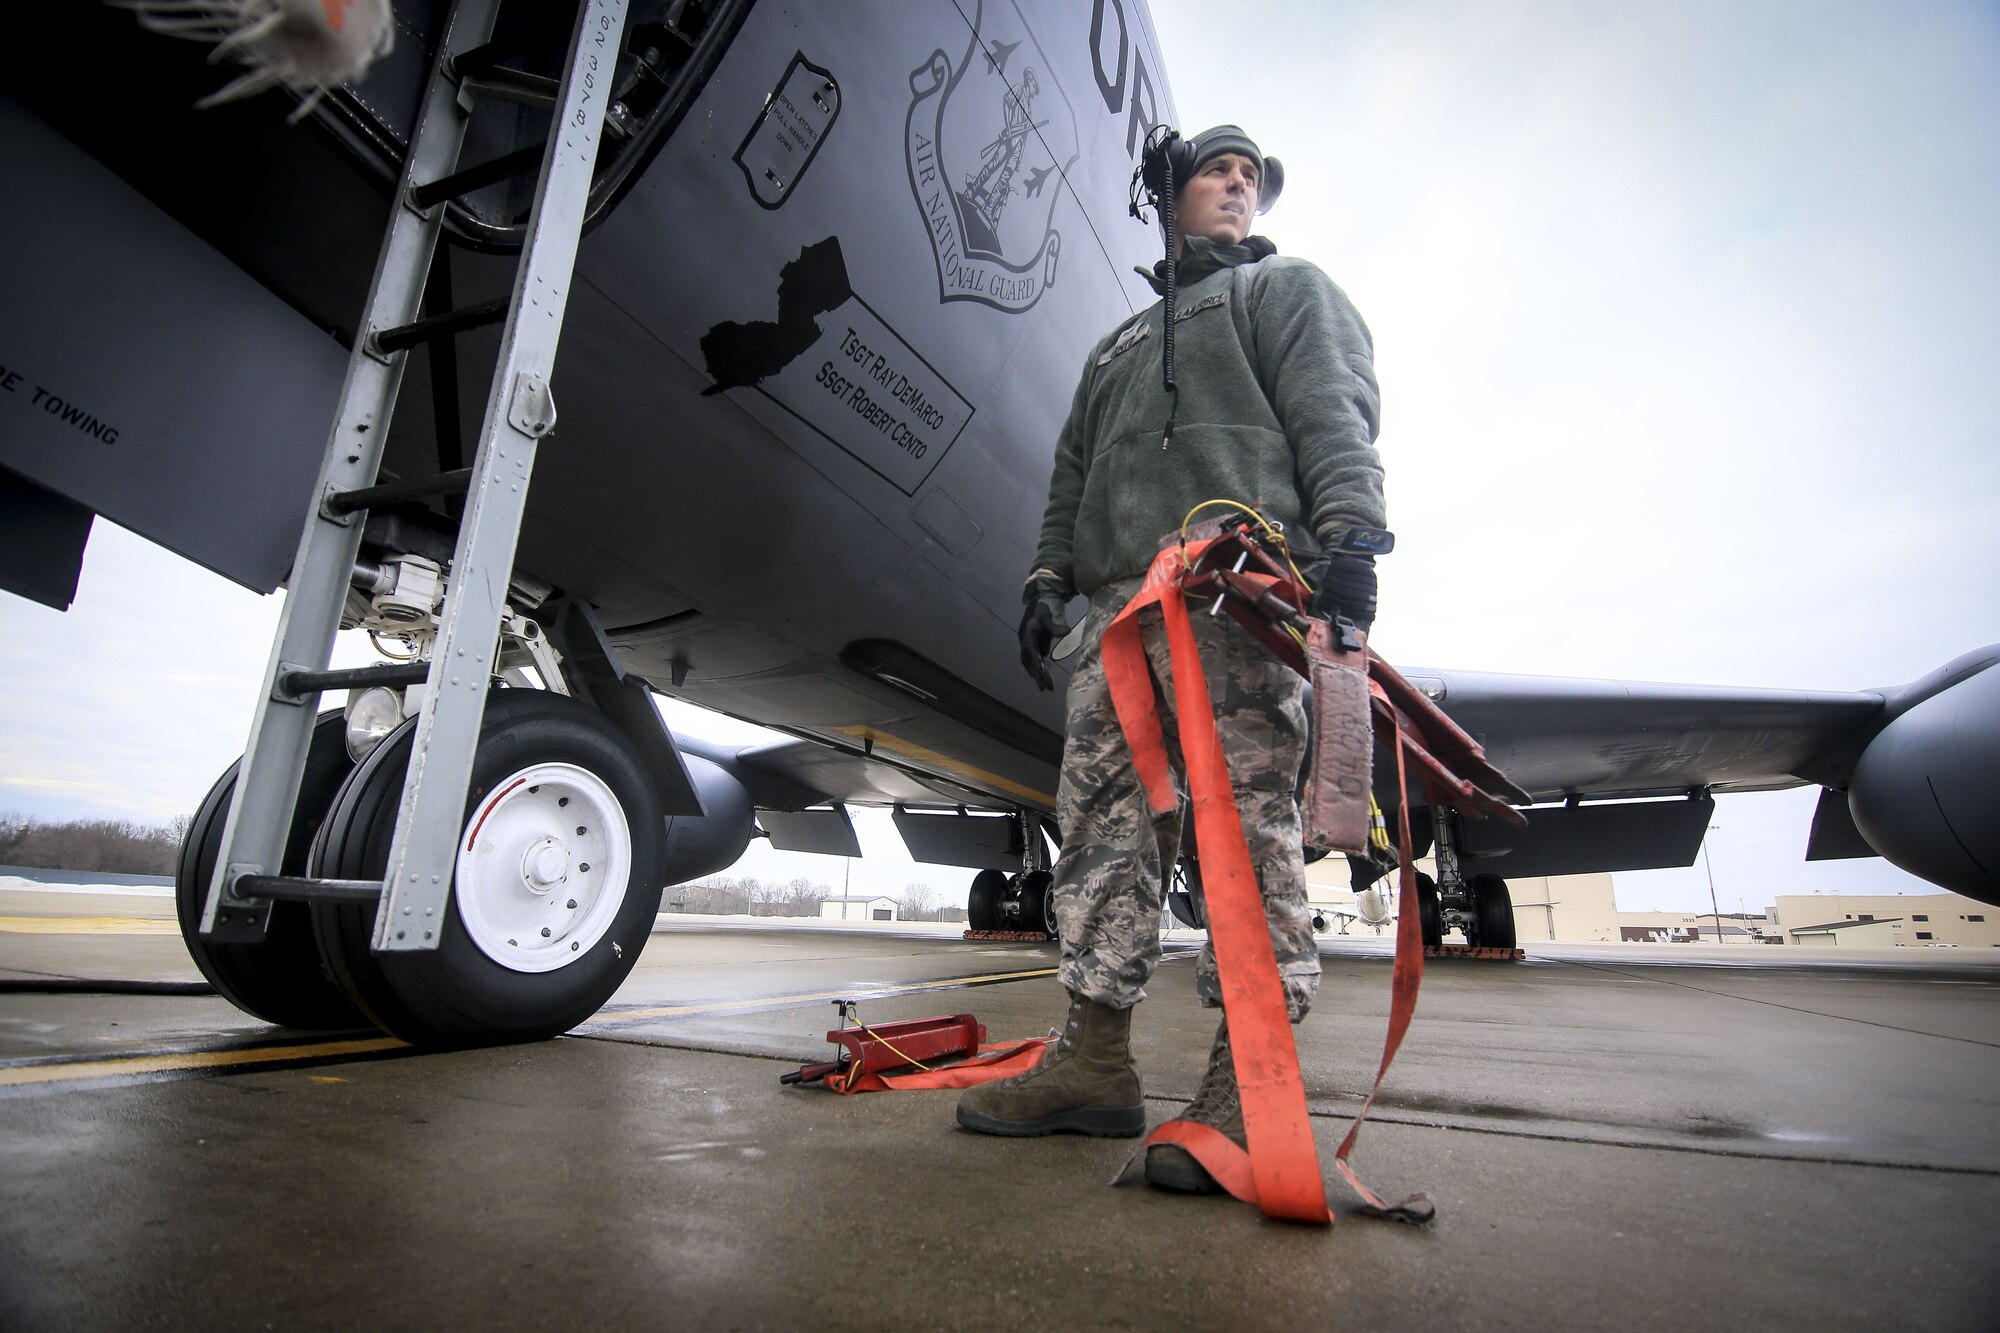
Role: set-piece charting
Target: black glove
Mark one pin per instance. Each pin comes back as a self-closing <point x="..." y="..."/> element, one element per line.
<point x="1344" y="586"/>
<point x="1041" y="625"/>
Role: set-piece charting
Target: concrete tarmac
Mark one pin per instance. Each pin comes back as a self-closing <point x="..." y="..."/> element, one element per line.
<point x="1617" y="1137"/>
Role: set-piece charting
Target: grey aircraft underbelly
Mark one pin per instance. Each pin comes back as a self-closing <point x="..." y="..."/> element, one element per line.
<point x="840" y="268"/>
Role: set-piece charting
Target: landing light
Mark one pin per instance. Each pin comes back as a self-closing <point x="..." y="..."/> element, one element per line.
<point x="371" y="715"/>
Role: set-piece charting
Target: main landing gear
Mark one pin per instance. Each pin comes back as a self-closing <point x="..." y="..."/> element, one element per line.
<point x="1478" y="905"/>
<point x="1021" y="902"/>
<point x="1184" y="895"/>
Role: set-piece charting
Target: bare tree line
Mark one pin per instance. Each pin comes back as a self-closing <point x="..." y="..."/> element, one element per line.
<point x="113" y="846"/>
<point x="733" y="895"/>
<point x="123" y="847"/>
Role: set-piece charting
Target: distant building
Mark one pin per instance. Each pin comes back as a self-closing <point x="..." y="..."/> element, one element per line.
<point x="1558" y="907"/>
<point x="1582" y="908"/>
<point x="1872" y="934"/>
<point x="858" y="909"/>
<point x="1906" y="920"/>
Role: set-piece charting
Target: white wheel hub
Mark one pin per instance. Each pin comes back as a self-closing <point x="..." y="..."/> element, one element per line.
<point x="543" y="867"/>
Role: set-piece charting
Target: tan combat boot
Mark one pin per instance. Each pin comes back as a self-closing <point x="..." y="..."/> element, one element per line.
<point x="1086" y="1084"/>
<point x="1217" y="1103"/>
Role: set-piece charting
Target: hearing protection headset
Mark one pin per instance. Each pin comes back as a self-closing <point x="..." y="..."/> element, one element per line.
<point x="1169" y="161"/>
<point x="1166" y="164"/>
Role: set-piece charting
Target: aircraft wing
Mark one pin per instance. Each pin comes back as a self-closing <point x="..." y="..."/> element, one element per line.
<point x="1908" y="772"/>
<point x="791" y="775"/>
<point x="1558" y="737"/>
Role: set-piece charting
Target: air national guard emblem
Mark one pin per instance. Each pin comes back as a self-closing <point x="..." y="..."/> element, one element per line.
<point x="987" y="143"/>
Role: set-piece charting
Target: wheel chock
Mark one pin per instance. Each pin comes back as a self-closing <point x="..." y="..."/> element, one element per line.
<point x="885" y="1048"/>
<point x="1469" y="951"/>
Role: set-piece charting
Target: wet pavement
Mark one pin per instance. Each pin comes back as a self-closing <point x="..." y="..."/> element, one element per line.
<point x="1617" y="1137"/>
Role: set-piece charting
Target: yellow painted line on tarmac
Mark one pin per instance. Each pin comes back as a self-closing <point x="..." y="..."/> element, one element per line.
<point x="884" y="992"/>
<point x="136" y="1066"/>
<point x="87" y="925"/>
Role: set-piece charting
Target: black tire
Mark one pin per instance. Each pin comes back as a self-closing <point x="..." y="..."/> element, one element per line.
<point x="989" y="891"/>
<point x="1038" y="903"/>
<point x="1492" y="912"/>
<point x="279" y="979"/>
<point x="1184" y="897"/>
<point x="459" y="994"/>
<point x="1429" y="918"/>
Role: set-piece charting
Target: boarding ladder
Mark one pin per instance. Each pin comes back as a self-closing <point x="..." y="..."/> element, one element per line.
<point x="519" y="412"/>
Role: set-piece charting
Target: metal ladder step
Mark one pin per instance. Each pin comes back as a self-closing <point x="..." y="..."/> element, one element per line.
<point x="486" y="57"/>
<point x="304" y="684"/>
<point x="302" y="889"/>
<point x="388" y="341"/>
<point x="520" y="162"/>
<point x="510" y="85"/>
<point x="389" y="493"/>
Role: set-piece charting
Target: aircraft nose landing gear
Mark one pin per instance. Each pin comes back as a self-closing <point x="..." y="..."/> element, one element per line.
<point x="278" y="978"/>
<point x="554" y="890"/>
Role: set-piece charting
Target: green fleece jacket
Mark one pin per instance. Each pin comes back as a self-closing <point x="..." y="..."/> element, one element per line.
<point x="1278" y="409"/>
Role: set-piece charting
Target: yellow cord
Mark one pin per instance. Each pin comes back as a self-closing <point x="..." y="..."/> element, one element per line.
<point x="1284" y="548"/>
<point x="886" y="1042"/>
<point x="1273" y="533"/>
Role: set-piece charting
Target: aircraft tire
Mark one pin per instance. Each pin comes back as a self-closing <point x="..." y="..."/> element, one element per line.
<point x="527" y="877"/>
<point x="1492" y="912"/>
<point x="279" y="979"/>
<point x="1429" y="918"/>
<point x="1038" y="903"/>
<point x="982" y="907"/>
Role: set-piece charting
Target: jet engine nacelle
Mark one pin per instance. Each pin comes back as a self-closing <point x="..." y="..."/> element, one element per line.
<point x="714" y="840"/>
<point x="1926" y="791"/>
<point x="1372" y="904"/>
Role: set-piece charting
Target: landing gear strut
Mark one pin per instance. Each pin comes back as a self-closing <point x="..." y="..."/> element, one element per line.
<point x="1184" y="896"/>
<point x="1480" y="905"/>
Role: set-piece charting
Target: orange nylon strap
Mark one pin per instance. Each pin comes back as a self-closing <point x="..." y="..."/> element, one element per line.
<point x="1283" y="1177"/>
<point x="1130" y="679"/>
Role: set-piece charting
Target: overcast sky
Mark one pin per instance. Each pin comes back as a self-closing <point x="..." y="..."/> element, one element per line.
<point x="1686" y="315"/>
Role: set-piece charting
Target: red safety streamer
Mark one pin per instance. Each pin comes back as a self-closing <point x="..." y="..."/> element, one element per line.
<point x="1283" y="1176"/>
<point x="1280" y="1172"/>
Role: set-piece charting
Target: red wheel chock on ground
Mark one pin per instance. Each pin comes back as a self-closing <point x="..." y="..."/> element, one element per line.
<point x="916" y="1053"/>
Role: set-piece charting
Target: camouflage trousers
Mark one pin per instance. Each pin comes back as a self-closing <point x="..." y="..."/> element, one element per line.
<point x="1110" y="879"/>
